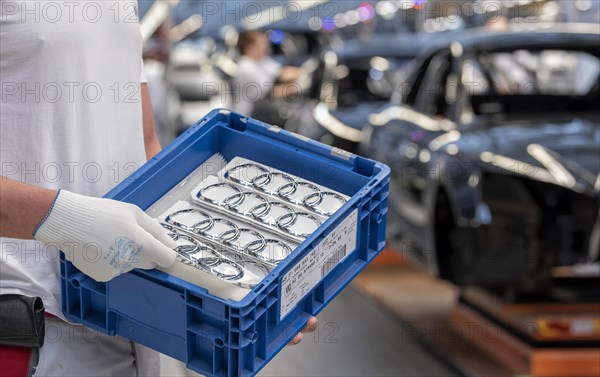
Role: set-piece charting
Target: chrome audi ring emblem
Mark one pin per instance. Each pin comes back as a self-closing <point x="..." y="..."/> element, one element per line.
<point x="212" y="192"/>
<point x="222" y="230"/>
<point x="242" y="173"/>
<point x="172" y="232"/>
<point x="299" y="224"/>
<point x="263" y="182"/>
<point x="255" y="267"/>
<point x="299" y="192"/>
<point x="247" y="241"/>
<point x="267" y="213"/>
<point x="205" y="257"/>
<point x="221" y="270"/>
<point x="200" y="220"/>
<point x="203" y="254"/>
<point x="316" y="200"/>
<point x="276" y="184"/>
<point x="268" y="253"/>
<point x="244" y="202"/>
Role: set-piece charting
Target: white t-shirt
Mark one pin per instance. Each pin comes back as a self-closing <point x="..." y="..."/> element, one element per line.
<point x="70" y="114"/>
<point x="254" y="81"/>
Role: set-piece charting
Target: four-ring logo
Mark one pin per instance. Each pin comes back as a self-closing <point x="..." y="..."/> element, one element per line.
<point x="203" y="256"/>
<point x="285" y="187"/>
<point x="225" y="232"/>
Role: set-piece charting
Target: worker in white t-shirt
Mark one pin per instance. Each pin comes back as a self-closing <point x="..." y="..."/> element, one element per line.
<point x="258" y="76"/>
<point x="75" y="119"/>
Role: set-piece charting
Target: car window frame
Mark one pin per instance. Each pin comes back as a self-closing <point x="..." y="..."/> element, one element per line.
<point x="432" y="77"/>
<point x="407" y="89"/>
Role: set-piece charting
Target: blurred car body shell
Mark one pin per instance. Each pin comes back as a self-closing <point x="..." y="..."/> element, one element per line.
<point x="498" y="186"/>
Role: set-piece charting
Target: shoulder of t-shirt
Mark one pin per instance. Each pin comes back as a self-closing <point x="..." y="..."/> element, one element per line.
<point x="271" y="64"/>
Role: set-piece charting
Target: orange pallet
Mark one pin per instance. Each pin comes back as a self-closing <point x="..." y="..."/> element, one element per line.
<point x="567" y="356"/>
<point x="481" y="334"/>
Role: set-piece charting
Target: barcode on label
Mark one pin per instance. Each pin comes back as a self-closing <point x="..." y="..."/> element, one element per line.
<point x="333" y="260"/>
<point x="312" y="269"/>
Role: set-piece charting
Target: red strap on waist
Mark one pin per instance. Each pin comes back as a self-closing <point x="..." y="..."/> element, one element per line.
<point x="14" y="361"/>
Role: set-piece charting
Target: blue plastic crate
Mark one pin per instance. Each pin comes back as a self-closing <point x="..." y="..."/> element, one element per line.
<point x="218" y="337"/>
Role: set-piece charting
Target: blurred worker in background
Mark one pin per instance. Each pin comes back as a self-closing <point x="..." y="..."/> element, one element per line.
<point x="259" y="77"/>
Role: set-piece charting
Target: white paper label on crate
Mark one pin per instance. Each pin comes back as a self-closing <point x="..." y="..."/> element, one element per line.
<point x="330" y="252"/>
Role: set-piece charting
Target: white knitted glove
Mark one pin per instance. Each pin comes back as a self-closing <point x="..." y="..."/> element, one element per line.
<point x="105" y="238"/>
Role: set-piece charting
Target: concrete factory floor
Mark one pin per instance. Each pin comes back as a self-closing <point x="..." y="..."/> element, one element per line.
<point x="358" y="337"/>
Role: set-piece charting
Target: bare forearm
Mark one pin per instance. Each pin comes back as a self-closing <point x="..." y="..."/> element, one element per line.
<point x="151" y="141"/>
<point x="290" y="74"/>
<point x="22" y="208"/>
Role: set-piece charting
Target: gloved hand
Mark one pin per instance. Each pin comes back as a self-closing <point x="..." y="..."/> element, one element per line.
<point x="105" y="238"/>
